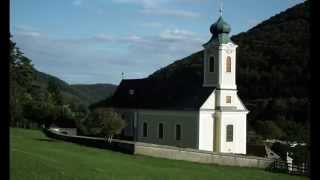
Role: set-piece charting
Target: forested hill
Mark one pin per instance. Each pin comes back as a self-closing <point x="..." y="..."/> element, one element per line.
<point x="94" y="92"/>
<point x="272" y="58"/>
<point x="272" y="73"/>
<point x="81" y="93"/>
<point x="37" y="98"/>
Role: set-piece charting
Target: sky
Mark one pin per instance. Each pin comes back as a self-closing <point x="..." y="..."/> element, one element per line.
<point x="94" y="41"/>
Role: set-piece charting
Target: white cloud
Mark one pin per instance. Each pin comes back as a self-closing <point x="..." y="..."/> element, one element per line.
<point x="103" y="37"/>
<point x="27" y="31"/>
<point x="177" y="34"/>
<point x="133" y="38"/>
<point x="30" y="33"/>
<point x="100" y="58"/>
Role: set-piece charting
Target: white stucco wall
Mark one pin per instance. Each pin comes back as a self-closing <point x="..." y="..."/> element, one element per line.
<point x="206" y="130"/>
<point x="188" y="120"/>
<point x="227" y="80"/>
<point x="239" y="122"/>
<point x="220" y="78"/>
<point x="209" y="104"/>
<point x="235" y="100"/>
<point x="213" y="138"/>
<point x="206" y="124"/>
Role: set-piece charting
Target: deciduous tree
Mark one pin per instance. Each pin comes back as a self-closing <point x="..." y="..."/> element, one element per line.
<point x="105" y="122"/>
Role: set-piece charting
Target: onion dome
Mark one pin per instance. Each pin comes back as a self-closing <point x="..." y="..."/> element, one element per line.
<point x="220" y="27"/>
<point x="219" y="31"/>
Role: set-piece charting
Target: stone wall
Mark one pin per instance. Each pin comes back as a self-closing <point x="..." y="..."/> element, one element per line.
<point x="201" y="156"/>
<point x="102" y="143"/>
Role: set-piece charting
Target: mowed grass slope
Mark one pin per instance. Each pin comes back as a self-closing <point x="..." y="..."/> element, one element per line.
<point x="34" y="156"/>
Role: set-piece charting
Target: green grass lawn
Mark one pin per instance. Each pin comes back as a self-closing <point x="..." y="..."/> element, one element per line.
<point x="34" y="156"/>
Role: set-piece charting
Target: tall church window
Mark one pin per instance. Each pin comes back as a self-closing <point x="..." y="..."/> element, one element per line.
<point x="228" y="99"/>
<point x="160" y="131"/>
<point x="211" y="64"/>
<point x="228" y="64"/>
<point x="145" y="129"/>
<point x="178" y="132"/>
<point x="229" y="133"/>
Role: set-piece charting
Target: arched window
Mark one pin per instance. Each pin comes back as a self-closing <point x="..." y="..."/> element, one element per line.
<point x="228" y="99"/>
<point x="145" y="130"/>
<point x="211" y="64"/>
<point x="160" y="131"/>
<point x="228" y="64"/>
<point x="229" y="133"/>
<point x="178" y="132"/>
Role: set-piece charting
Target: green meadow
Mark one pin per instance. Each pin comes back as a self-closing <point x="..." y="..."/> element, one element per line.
<point x="33" y="156"/>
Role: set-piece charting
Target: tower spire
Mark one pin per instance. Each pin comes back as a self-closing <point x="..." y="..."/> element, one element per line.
<point x="221" y="8"/>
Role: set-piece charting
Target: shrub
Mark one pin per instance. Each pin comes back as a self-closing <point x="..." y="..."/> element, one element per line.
<point x="104" y="122"/>
<point x="281" y="150"/>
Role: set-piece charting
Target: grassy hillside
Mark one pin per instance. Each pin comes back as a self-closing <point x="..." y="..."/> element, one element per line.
<point x="34" y="156"/>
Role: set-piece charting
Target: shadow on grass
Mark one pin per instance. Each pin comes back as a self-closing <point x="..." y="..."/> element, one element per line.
<point x="46" y="140"/>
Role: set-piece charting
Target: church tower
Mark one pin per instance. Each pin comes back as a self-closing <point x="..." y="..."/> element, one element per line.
<point x="220" y="58"/>
<point x="227" y="120"/>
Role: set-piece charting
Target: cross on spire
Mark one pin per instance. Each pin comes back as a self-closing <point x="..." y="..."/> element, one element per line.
<point x="221" y="8"/>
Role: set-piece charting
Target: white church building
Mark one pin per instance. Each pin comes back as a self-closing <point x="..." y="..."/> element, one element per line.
<point x="209" y="117"/>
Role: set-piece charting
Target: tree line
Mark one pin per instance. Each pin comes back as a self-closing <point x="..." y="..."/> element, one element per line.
<point x="34" y="105"/>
